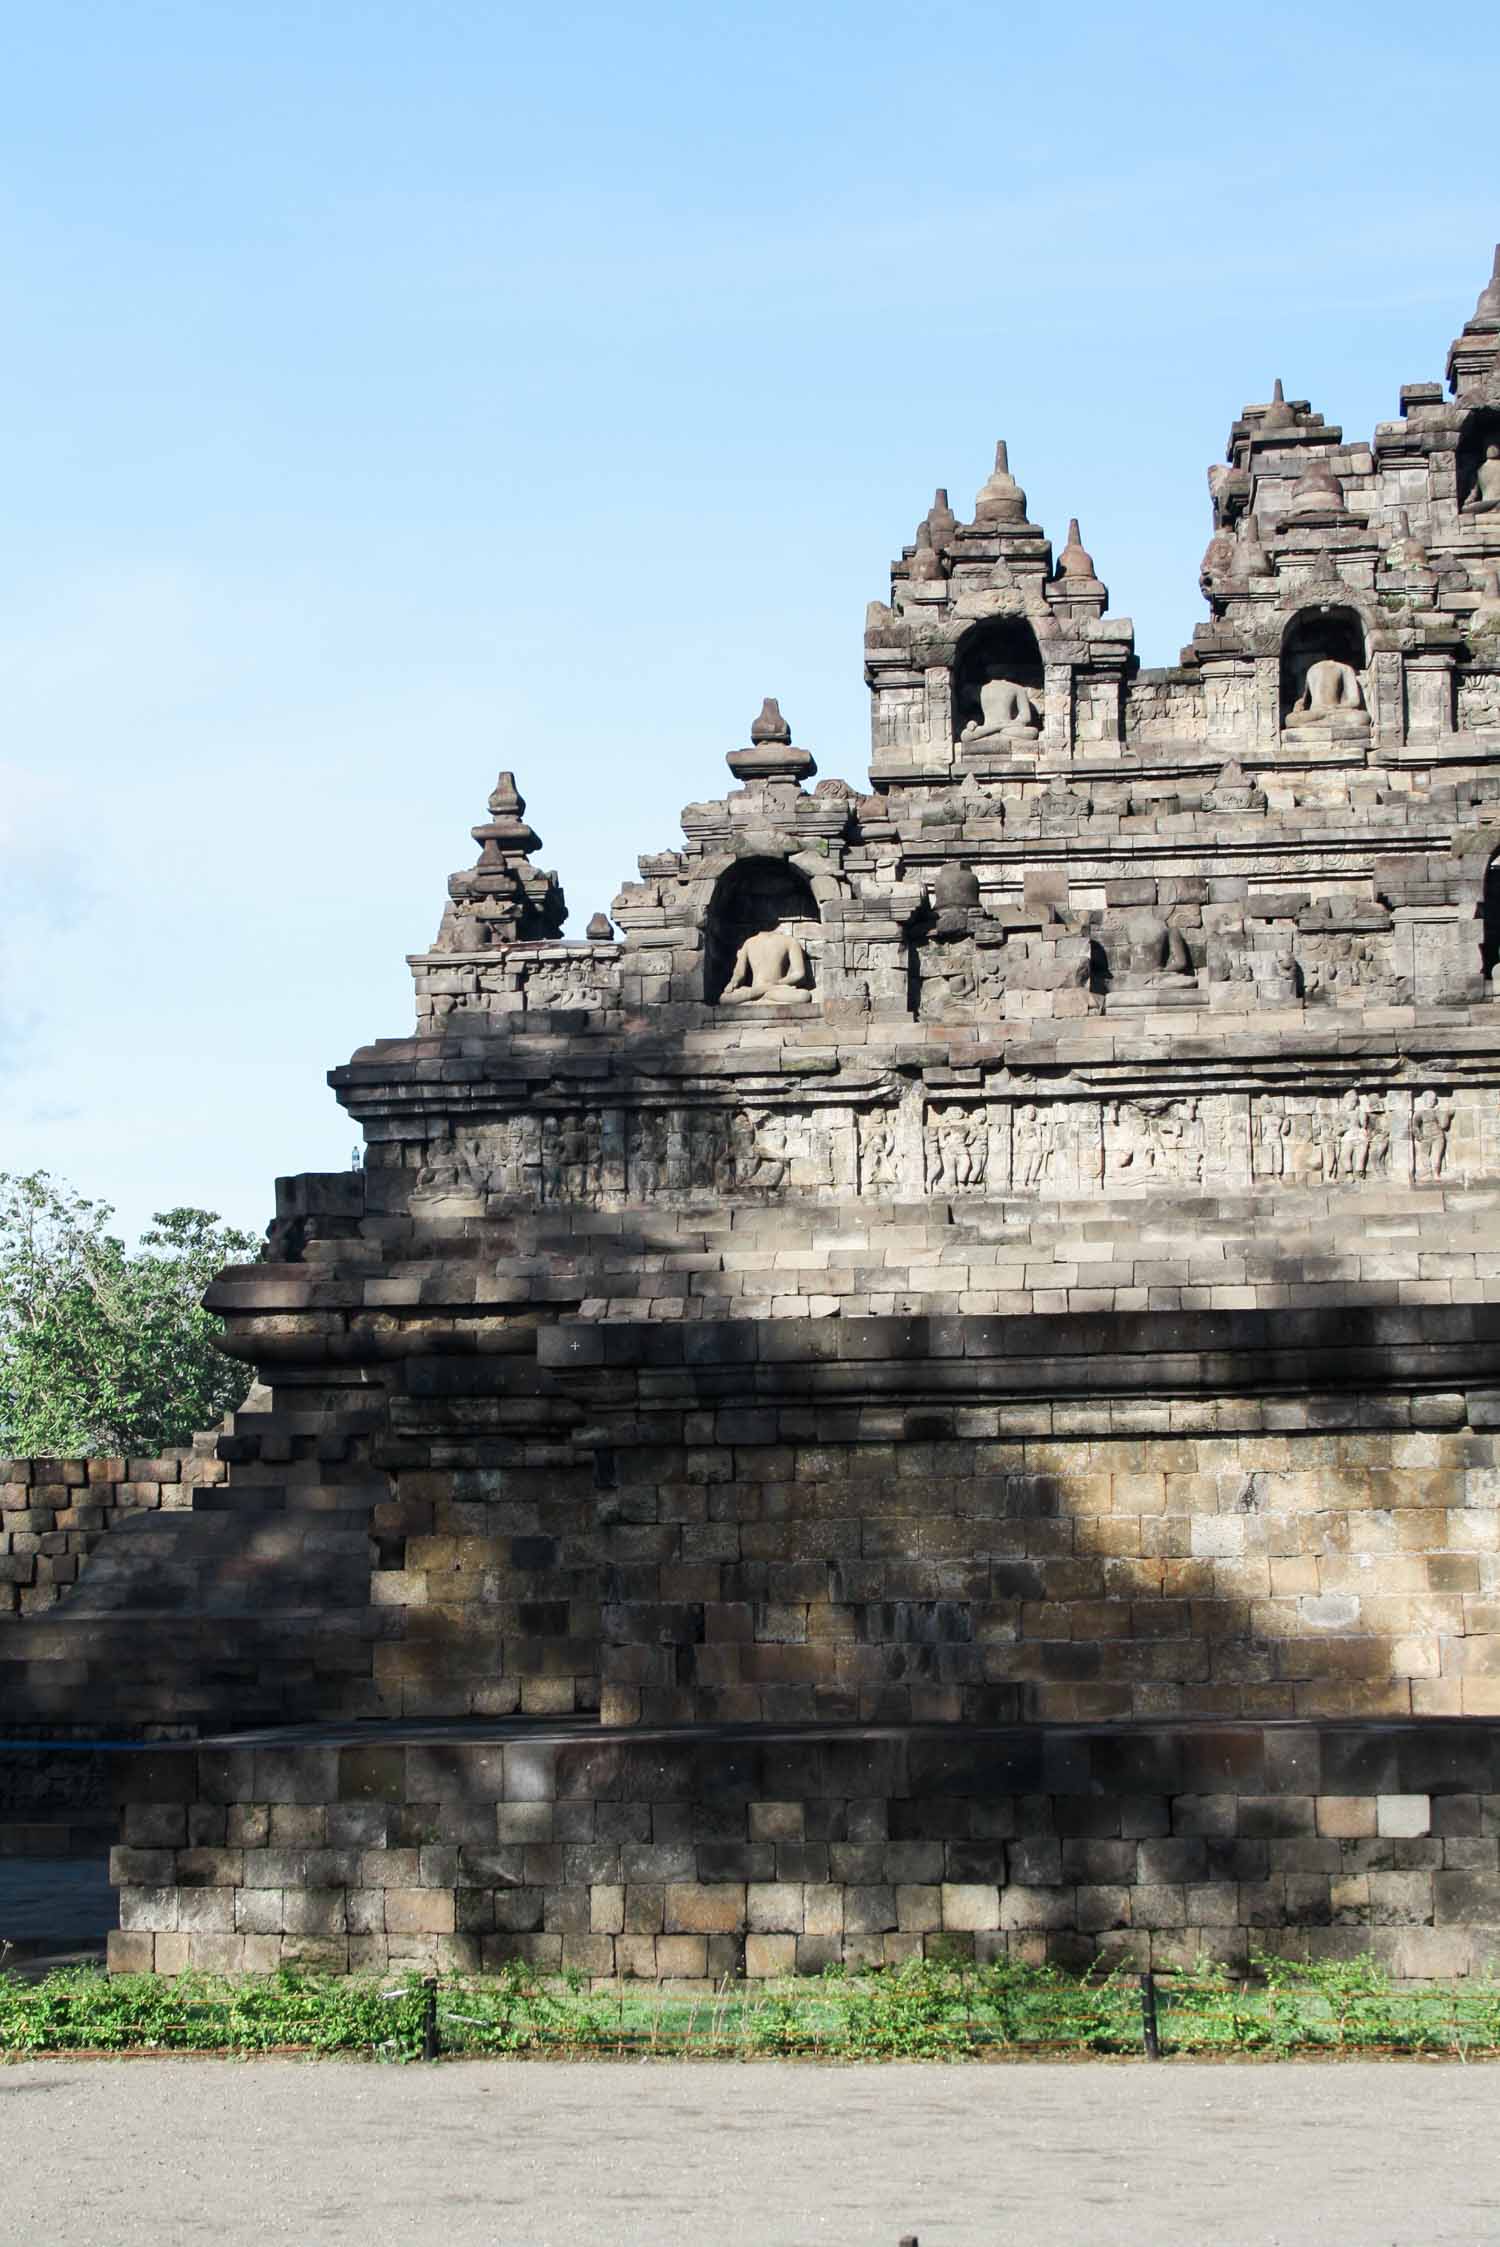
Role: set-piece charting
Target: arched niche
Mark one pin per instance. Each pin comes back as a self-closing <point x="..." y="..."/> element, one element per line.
<point x="1480" y="430"/>
<point x="1318" y="636"/>
<point x="1000" y="648"/>
<point x="1489" y="920"/>
<point x="753" y="896"/>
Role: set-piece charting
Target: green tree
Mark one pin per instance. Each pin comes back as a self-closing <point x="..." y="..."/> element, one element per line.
<point x="104" y="1348"/>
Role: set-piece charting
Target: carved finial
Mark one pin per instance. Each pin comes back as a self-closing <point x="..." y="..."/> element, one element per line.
<point x="941" y="520"/>
<point x="601" y="929"/>
<point x="1278" y="414"/>
<point x="771" y="755"/>
<point x="1001" y="500"/>
<point x="1250" y="557"/>
<point x="1073" y="561"/>
<point x="1488" y="307"/>
<point x="1405" y="551"/>
<point x="924" y="567"/>
<point x="770" y="725"/>
<point x="502" y="897"/>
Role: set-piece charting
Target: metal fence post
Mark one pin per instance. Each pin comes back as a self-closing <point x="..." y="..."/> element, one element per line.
<point x="1149" y="2031"/>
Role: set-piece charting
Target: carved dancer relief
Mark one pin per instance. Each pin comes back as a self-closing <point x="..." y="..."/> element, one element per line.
<point x="1036" y="1148"/>
<point x="957" y="1142"/>
<point x="1431" y="1130"/>
<point x="879" y="1155"/>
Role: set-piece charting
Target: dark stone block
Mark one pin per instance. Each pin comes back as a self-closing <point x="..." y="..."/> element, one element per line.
<point x="735" y="1860"/>
<point x="1006" y="1764"/>
<point x="1139" y="1763"/>
<point x="1275" y="1817"/>
<point x="1360" y="1762"/>
<point x="1453" y="1760"/>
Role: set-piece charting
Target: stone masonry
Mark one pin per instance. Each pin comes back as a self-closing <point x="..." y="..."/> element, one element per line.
<point x="1001" y="1262"/>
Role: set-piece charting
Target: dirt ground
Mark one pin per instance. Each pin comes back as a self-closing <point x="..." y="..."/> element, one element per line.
<point x="760" y="2155"/>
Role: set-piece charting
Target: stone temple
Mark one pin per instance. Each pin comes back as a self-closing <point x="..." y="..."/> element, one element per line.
<point x="934" y="1386"/>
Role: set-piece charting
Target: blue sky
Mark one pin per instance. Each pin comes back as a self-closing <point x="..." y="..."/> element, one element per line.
<point x="396" y="393"/>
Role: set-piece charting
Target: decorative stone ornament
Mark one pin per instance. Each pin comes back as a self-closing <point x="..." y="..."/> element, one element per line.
<point x="1001" y="500"/>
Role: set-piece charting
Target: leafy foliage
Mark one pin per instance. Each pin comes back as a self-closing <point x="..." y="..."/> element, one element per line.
<point x="104" y="1348"/>
<point x="919" y="2011"/>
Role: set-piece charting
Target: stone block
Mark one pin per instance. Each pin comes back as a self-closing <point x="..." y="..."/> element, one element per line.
<point x="768" y="1957"/>
<point x="681" y="1957"/>
<point x="1346" y="1817"/>
<point x="775" y="1907"/>
<point x="148" y="1910"/>
<point x="696" y="1908"/>
<point x="130" y="1951"/>
<point x="606" y="1909"/>
<point x="206" y="1911"/>
<point x="1403" y="1816"/>
<point x="259" y="1911"/>
<point x="419" y="1911"/>
<point x="315" y="1911"/>
<point x="968" y="1906"/>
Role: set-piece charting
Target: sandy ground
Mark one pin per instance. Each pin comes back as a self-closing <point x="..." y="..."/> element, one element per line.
<point x="655" y="2154"/>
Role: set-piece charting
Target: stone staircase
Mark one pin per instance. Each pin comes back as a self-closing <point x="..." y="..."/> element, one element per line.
<point x="240" y="1606"/>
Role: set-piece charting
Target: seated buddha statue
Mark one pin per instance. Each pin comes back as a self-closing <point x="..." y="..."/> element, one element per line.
<point x="1484" y="499"/>
<point x="1331" y="695"/>
<point x="1150" y="966"/>
<point x="770" y="965"/>
<point x="1007" y="713"/>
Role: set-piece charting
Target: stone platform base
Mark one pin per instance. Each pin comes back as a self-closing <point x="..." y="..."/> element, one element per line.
<point x="697" y="1852"/>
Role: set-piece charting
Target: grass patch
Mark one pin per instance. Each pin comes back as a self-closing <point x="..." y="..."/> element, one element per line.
<point x="912" y="2012"/>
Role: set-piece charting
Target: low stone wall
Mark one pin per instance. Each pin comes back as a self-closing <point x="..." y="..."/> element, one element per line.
<point x="689" y="1854"/>
<point x="55" y="1801"/>
<point x="53" y="1513"/>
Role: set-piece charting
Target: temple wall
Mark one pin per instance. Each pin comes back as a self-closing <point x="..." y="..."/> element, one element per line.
<point x="689" y="1858"/>
<point x="1065" y="1562"/>
<point x="53" y="1513"/>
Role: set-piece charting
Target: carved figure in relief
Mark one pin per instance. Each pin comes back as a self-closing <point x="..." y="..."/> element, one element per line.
<point x="1007" y="713"/>
<point x="1354" y="1136"/>
<point x="1484" y="499"/>
<point x="1324" y="1142"/>
<point x="1147" y="952"/>
<point x="958" y="1150"/>
<point x="679" y="1156"/>
<point x="771" y="964"/>
<point x="877" y="1152"/>
<point x="643" y="1171"/>
<point x="549" y="986"/>
<point x="1273" y="1129"/>
<point x="1331" y="689"/>
<point x="464" y="1168"/>
<point x="573" y="1157"/>
<point x="767" y="1158"/>
<point x="1155" y="1142"/>
<point x="1035" y="1141"/>
<point x="1431" y="1122"/>
<point x="552" y="1160"/>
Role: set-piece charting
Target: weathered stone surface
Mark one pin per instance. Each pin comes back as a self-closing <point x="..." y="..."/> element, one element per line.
<point x="1012" y="1246"/>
